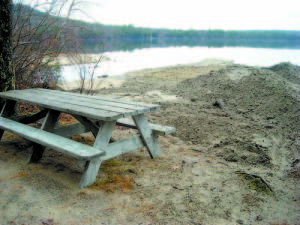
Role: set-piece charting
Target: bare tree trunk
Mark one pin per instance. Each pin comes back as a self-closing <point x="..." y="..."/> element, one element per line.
<point x="6" y="67"/>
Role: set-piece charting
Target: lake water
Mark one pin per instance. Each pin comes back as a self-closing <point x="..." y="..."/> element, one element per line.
<point x="122" y="62"/>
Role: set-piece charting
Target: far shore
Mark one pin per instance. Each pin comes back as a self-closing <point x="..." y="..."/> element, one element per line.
<point x="68" y="59"/>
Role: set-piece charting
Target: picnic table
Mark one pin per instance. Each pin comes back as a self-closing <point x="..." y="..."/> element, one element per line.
<point x="96" y="114"/>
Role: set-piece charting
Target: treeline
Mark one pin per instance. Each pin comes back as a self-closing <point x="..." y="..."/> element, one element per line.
<point x="100" y="31"/>
<point x="95" y="31"/>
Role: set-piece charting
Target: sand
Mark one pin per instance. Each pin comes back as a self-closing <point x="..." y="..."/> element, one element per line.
<point x="233" y="159"/>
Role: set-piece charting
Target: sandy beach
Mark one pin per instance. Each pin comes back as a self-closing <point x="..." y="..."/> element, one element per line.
<point x="234" y="158"/>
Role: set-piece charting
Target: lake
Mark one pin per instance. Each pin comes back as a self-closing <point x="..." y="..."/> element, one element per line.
<point x="121" y="62"/>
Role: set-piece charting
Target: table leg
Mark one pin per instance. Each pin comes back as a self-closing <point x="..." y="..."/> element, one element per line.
<point x="7" y="110"/>
<point x="48" y="125"/>
<point x="147" y="135"/>
<point x="102" y="140"/>
<point x="88" y="124"/>
<point x="92" y="126"/>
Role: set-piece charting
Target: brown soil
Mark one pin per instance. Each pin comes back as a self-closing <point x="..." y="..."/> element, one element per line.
<point x="233" y="159"/>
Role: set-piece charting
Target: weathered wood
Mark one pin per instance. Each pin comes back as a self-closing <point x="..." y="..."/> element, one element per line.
<point x="32" y="118"/>
<point x="48" y="125"/>
<point x="102" y="140"/>
<point x="50" y="120"/>
<point x="104" y="134"/>
<point x="88" y="124"/>
<point x="122" y="147"/>
<point x="70" y="130"/>
<point x="157" y="129"/>
<point x="90" y="173"/>
<point x="50" y="140"/>
<point x="95" y="101"/>
<point x="162" y="130"/>
<point x="90" y="107"/>
<point x="147" y="135"/>
<point x="77" y="101"/>
<point x="112" y="101"/>
<point x="7" y="110"/>
<point x="61" y="106"/>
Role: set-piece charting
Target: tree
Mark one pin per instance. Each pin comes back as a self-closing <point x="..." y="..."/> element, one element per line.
<point x="6" y="64"/>
<point x="41" y="32"/>
<point x="32" y="36"/>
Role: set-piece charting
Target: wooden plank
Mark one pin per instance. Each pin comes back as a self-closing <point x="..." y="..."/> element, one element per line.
<point x="48" y="125"/>
<point x="138" y="106"/>
<point x="86" y="100"/>
<point x="85" y="103"/>
<point x="71" y="109"/>
<point x="50" y="120"/>
<point x="31" y="118"/>
<point x="162" y="130"/>
<point x="104" y="134"/>
<point x="130" y="104"/>
<point x="53" y="100"/>
<point x="90" y="173"/>
<point x="88" y="124"/>
<point x="50" y="140"/>
<point x="158" y="129"/>
<point x="122" y="147"/>
<point x="8" y="108"/>
<point x="7" y="111"/>
<point x="70" y="130"/>
<point x="102" y="140"/>
<point x="147" y="135"/>
<point x="126" y="122"/>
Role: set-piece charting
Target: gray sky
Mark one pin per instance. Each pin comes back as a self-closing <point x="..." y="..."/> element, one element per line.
<point x="196" y="14"/>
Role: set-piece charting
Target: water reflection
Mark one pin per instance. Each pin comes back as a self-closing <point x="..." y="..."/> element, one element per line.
<point x="122" y="62"/>
<point x="101" y="46"/>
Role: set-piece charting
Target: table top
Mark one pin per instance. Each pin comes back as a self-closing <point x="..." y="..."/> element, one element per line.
<point x="95" y="107"/>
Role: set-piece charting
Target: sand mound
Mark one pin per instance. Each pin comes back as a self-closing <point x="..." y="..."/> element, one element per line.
<point x="261" y="96"/>
<point x="243" y="114"/>
<point x="287" y="70"/>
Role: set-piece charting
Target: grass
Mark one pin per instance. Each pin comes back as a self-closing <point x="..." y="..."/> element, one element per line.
<point x="66" y="119"/>
<point x="119" y="174"/>
<point x="114" y="182"/>
<point x="26" y="108"/>
<point x="85" y="140"/>
<point x="21" y="174"/>
<point x="252" y="200"/>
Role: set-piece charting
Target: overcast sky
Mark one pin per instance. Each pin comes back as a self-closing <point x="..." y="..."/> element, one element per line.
<point x="197" y="14"/>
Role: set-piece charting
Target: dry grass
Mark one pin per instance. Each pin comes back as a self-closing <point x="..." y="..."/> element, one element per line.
<point x="21" y="174"/>
<point x="85" y="140"/>
<point x="119" y="174"/>
<point x="114" y="182"/>
<point x="251" y="200"/>
<point x="66" y="119"/>
<point x="26" y="108"/>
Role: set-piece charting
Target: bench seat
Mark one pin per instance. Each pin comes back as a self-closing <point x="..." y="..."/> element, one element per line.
<point x="51" y="140"/>
<point x="157" y="129"/>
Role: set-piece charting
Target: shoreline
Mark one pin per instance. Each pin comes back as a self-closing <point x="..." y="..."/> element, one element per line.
<point x="117" y="80"/>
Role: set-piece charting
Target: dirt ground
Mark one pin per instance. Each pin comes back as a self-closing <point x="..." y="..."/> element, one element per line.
<point x="233" y="160"/>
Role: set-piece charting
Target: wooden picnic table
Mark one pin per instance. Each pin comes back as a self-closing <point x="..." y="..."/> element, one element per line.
<point x="95" y="114"/>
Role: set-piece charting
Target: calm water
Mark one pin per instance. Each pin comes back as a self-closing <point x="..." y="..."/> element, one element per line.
<point x="122" y="62"/>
